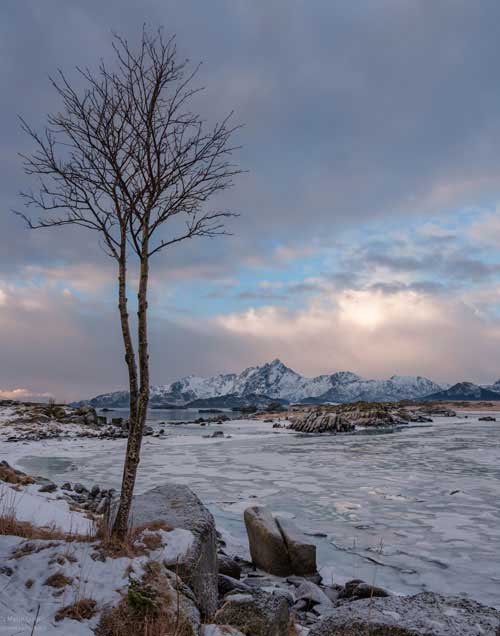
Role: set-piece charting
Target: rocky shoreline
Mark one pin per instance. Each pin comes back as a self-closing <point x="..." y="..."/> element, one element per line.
<point x="217" y="593"/>
<point x="23" y="422"/>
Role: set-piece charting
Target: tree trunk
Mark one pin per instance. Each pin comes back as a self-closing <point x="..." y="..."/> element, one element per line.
<point x="138" y="406"/>
<point x="120" y="526"/>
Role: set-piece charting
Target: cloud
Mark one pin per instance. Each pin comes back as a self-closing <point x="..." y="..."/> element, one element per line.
<point x="376" y="334"/>
<point x="367" y="147"/>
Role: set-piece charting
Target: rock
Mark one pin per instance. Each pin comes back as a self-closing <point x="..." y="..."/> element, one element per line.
<point x="286" y="594"/>
<point x="179" y="507"/>
<point x="219" y="630"/>
<point x="228" y="566"/>
<point x="298" y="580"/>
<point x="48" y="488"/>
<point x="425" y="614"/>
<point x="103" y="506"/>
<point x="95" y="490"/>
<point x="66" y="486"/>
<point x="319" y="421"/>
<point x="301" y="553"/>
<point x="267" y="546"/>
<point x="227" y="584"/>
<point x="333" y="591"/>
<point x="488" y="418"/>
<point x="357" y="589"/>
<point x="257" y="614"/>
<point x="314" y="597"/>
<point x="80" y="488"/>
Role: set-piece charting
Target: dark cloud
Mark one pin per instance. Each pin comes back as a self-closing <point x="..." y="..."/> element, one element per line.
<point x="354" y="111"/>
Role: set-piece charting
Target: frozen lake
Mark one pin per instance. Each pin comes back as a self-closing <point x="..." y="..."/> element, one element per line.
<point x="412" y="510"/>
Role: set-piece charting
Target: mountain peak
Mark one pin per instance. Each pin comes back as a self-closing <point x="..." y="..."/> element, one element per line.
<point x="276" y="363"/>
<point x="274" y="380"/>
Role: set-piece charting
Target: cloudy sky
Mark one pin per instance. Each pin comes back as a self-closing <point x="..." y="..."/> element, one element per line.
<point x="369" y="235"/>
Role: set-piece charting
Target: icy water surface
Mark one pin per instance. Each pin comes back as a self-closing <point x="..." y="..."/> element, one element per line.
<point x="411" y="510"/>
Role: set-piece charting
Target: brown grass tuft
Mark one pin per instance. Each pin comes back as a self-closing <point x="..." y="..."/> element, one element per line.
<point x="81" y="610"/>
<point x="140" y="540"/>
<point x="29" y="583"/>
<point x="12" y="476"/>
<point x="58" y="580"/>
<point x="10" y="525"/>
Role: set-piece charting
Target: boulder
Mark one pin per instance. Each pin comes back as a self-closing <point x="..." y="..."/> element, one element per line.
<point x="257" y="614"/>
<point x="425" y="614"/>
<point x="229" y="566"/>
<point x="301" y="552"/>
<point x="227" y="584"/>
<point x="314" y="597"/>
<point x="179" y="507"/>
<point x="357" y="589"/>
<point x="267" y="546"/>
<point x="318" y="421"/>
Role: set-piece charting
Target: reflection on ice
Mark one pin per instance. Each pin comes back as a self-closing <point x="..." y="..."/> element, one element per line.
<point x="413" y="510"/>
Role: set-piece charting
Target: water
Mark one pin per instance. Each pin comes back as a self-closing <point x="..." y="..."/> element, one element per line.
<point x="412" y="510"/>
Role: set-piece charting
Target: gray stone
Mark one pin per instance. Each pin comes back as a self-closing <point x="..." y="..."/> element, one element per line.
<point x="228" y="566"/>
<point x="425" y="614"/>
<point x="227" y="584"/>
<point x="219" y="630"/>
<point x="48" y="488"/>
<point x="66" y="486"/>
<point x="79" y="488"/>
<point x="257" y="614"/>
<point x="301" y="552"/>
<point x="267" y="546"/>
<point x="179" y="507"/>
<point x="357" y="589"/>
<point x="314" y="596"/>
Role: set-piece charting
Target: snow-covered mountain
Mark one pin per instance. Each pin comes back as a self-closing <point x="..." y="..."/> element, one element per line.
<point x="276" y="381"/>
<point x="468" y="391"/>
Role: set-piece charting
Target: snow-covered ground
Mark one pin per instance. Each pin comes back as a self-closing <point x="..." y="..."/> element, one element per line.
<point x="415" y="510"/>
<point x="26" y="597"/>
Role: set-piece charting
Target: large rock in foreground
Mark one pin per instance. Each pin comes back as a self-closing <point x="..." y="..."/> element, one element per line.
<point x="267" y="546"/>
<point x="256" y="614"/>
<point x="425" y="614"/>
<point x="179" y="507"/>
<point x="277" y="546"/>
<point x="301" y="552"/>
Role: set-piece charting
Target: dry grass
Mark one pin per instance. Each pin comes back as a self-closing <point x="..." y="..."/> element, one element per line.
<point x="29" y="584"/>
<point x="151" y="608"/>
<point x="12" y="476"/>
<point x="81" y="610"/>
<point x="58" y="580"/>
<point x="140" y="540"/>
<point x="10" y="525"/>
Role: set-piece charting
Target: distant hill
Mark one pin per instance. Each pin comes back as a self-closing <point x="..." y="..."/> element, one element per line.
<point x="274" y="381"/>
<point x="466" y="391"/>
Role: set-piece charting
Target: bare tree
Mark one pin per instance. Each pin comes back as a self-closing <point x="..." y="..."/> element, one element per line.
<point x="128" y="159"/>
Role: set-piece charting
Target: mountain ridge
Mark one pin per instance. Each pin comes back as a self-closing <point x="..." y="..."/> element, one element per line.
<point x="274" y="381"/>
